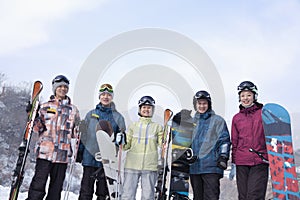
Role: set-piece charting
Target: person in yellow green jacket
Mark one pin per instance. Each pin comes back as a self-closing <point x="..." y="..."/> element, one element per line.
<point x="144" y="137"/>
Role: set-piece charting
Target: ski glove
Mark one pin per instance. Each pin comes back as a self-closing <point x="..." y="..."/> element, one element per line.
<point x="98" y="156"/>
<point x="222" y="162"/>
<point x="28" y="107"/>
<point x="120" y="139"/>
<point x="232" y="172"/>
<point x="79" y="156"/>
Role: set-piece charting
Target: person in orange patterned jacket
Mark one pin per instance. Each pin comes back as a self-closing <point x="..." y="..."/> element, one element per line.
<point x="56" y="125"/>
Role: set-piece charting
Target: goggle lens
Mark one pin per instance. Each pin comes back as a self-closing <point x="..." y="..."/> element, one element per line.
<point x="106" y="87"/>
<point x="146" y="101"/>
<point x="60" y="79"/>
<point x="199" y="95"/>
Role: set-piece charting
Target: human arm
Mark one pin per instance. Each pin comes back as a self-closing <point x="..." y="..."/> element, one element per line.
<point x="234" y="140"/>
<point x="129" y="136"/>
<point x="76" y="124"/>
<point x="223" y="145"/>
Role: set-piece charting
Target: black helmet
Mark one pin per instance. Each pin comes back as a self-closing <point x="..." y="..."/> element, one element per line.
<point x="146" y="100"/>
<point x="202" y="94"/>
<point x="248" y="85"/>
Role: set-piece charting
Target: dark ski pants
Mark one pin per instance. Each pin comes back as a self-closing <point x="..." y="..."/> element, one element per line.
<point x="88" y="181"/>
<point x="57" y="173"/>
<point x="206" y="186"/>
<point x="252" y="181"/>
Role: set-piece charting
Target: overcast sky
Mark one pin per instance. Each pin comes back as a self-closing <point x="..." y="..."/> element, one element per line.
<point x="254" y="40"/>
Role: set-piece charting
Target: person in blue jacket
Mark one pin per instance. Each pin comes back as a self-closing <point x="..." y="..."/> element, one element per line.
<point x="92" y="169"/>
<point x="211" y="144"/>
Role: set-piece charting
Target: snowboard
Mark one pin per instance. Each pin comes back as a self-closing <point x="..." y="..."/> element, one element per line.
<point x="109" y="156"/>
<point x="277" y="128"/>
<point x="181" y="157"/>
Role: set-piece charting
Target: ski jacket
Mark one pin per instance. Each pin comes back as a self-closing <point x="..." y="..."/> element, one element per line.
<point x="88" y="143"/>
<point x="143" y="139"/>
<point x="210" y="141"/>
<point x="60" y="119"/>
<point x="247" y="132"/>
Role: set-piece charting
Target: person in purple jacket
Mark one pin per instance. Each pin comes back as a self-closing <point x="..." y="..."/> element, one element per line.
<point x="247" y="133"/>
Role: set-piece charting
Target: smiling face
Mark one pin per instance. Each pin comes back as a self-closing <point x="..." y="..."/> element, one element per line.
<point x="106" y="99"/>
<point x="246" y="98"/>
<point x="202" y="105"/>
<point x="61" y="92"/>
<point x="146" y="111"/>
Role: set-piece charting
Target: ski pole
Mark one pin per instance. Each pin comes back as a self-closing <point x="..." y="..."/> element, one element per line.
<point x="260" y="155"/>
<point x="119" y="172"/>
<point x="71" y="168"/>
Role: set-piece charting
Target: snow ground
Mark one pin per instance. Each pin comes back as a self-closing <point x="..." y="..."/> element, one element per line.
<point x="4" y="192"/>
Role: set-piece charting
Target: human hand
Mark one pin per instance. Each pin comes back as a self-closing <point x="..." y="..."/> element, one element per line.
<point x="222" y="162"/>
<point x="98" y="156"/>
<point x="120" y="138"/>
<point x="232" y="172"/>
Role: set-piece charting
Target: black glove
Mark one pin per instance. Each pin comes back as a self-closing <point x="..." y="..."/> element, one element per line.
<point x="183" y="116"/>
<point x="222" y="162"/>
<point x="79" y="156"/>
<point x="28" y="107"/>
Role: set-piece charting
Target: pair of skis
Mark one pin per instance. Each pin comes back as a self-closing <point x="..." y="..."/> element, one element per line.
<point x="18" y="173"/>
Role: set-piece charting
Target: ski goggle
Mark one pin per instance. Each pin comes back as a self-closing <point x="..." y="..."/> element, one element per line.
<point x="247" y="86"/>
<point x="60" y="78"/>
<point x="146" y="100"/>
<point x="202" y="95"/>
<point x="106" y="87"/>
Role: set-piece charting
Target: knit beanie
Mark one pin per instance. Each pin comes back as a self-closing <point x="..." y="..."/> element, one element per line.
<point x="57" y="84"/>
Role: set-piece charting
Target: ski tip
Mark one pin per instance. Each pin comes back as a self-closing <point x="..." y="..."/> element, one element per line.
<point x="39" y="83"/>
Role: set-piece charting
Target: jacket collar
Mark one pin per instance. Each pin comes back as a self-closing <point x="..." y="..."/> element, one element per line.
<point x="205" y="115"/>
<point x="145" y="119"/>
<point x="256" y="106"/>
<point x="102" y="108"/>
<point x="65" y="101"/>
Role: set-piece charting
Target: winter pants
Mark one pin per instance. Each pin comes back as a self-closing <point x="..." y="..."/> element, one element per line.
<point x="131" y="179"/>
<point x="57" y="173"/>
<point x="88" y="181"/>
<point x="252" y="181"/>
<point x="206" y="186"/>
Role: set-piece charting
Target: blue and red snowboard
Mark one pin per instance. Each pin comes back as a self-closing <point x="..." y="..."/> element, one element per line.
<point x="277" y="127"/>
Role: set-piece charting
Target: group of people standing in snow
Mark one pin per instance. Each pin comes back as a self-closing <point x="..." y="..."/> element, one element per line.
<point x="59" y="120"/>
